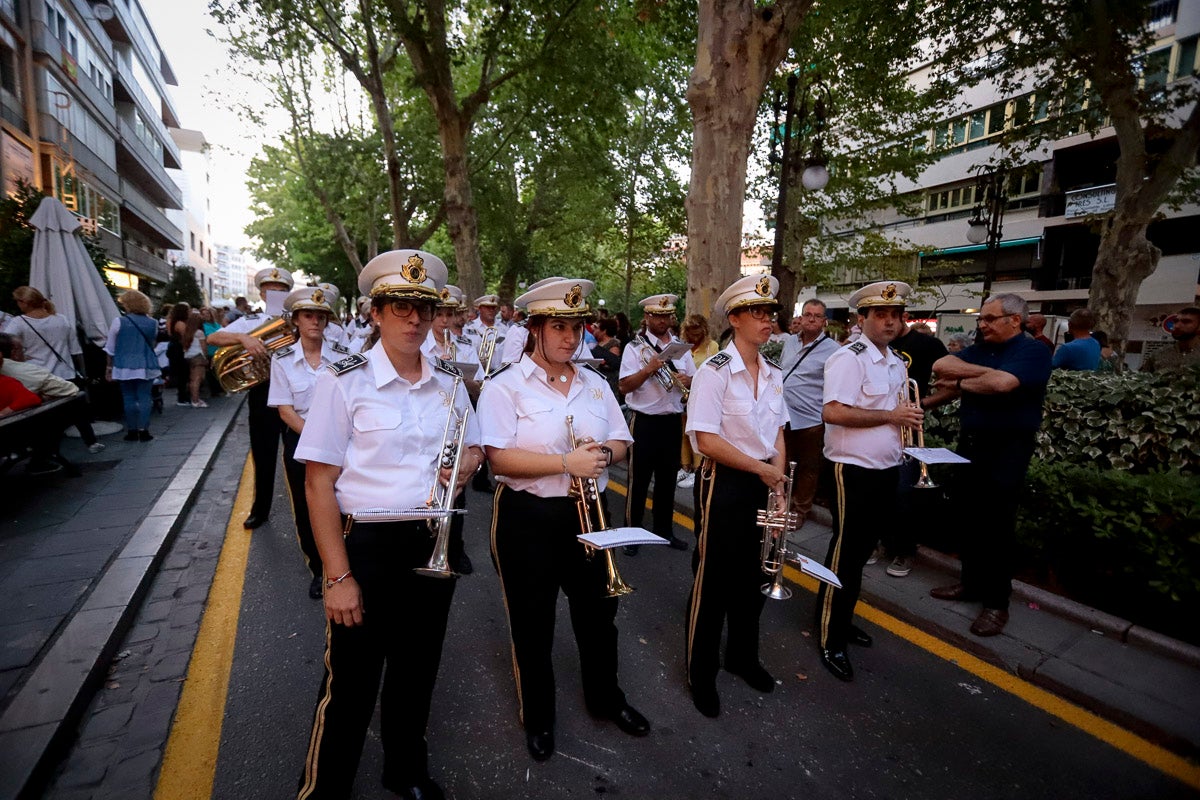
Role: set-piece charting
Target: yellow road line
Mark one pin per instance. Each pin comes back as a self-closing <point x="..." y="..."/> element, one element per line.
<point x="190" y="763"/>
<point x="1145" y="751"/>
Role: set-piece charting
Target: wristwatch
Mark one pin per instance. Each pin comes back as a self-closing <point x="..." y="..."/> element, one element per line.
<point x="607" y="453"/>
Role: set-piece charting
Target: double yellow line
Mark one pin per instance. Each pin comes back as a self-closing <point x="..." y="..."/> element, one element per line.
<point x="1144" y="750"/>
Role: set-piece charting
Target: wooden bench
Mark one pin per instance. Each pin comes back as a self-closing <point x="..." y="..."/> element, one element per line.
<point x="37" y="431"/>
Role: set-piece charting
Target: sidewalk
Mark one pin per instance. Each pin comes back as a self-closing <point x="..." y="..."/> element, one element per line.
<point x="1139" y="679"/>
<point x="76" y="557"/>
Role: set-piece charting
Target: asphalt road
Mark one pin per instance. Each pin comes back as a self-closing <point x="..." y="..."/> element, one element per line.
<point x="911" y="725"/>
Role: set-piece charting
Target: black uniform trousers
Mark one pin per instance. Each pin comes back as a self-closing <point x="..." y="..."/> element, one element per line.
<point x="657" y="439"/>
<point x="727" y="569"/>
<point x="863" y="507"/>
<point x="535" y="550"/>
<point x="264" y="447"/>
<point x="404" y="624"/>
<point x="987" y="491"/>
<point x="294" y="471"/>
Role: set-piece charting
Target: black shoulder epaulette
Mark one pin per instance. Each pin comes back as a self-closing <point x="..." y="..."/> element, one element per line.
<point x="772" y="362"/>
<point x="719" y="360"/>
<point x="857" y="348"/>
<point x="498" y="370"/>
<point x="339" y="347"/>
<point x="447" y="367"/>
<point x="283" y="351"/>
<point x="462" y="339"/>
<point x="592" y="367"/>
<point x="348" y="363"/>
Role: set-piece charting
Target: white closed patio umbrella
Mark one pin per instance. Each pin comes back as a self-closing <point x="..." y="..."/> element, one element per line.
<point x="62" y="270"/>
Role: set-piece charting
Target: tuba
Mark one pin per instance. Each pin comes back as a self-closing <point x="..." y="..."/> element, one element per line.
<point x="591" y="518"/>
<point x="441" y="497"/>
<point x="776" y="520"/>
<point x="237" y="370"/>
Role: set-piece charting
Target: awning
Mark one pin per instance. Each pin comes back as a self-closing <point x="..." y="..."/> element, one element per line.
<point x="976" y="248"/>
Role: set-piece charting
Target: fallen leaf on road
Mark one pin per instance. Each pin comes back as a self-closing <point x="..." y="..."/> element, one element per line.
<point x="806" y="634"/>
<point x="800" y="676"/>
<point x="112" y="685"/>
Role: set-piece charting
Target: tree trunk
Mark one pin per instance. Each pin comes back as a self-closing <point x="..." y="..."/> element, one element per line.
<point x="1125" y="259"/>
<point x="461" y="219"/>
<point x="739" y="45"/>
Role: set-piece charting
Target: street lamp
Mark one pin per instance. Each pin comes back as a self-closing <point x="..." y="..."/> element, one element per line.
<point x="987" y="221"/>
<point x="815" y="175"/>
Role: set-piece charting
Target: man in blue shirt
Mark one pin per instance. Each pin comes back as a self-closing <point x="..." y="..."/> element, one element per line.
<point x="1002" y="385"/>
<point x="1082" y="353"/>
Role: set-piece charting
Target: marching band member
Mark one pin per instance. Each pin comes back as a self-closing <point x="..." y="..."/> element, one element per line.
<point x="335" y="332"/>
<point x="514" y="339"/>
<point x="361" y="327"/>
<point x="372" y="440"/>
<point x="265" y="426"/>
<point x="735" y="418"/>
<point x="487" y="306"/>
<point x="294" y="370"/>
<point x="863" y="415"/>
<point x="523" y="414"/>
<point x="657" y="426"/>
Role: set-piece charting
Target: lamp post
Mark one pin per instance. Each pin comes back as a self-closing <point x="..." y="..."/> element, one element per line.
<point x="815" y="175"/>
<point x="987" y="221"/>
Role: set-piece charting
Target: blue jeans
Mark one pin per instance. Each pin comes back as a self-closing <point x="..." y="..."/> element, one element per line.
<point x="136" y="396"/>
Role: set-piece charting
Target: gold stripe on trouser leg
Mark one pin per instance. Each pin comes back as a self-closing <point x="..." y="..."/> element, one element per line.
<point x="504" y="599"/>
<point x="702" y="548"/>
<point x="318" y="731"/>
<point x="827" y="605"/>
<point x="291" y="499"/>
<point x="629" y="475"/>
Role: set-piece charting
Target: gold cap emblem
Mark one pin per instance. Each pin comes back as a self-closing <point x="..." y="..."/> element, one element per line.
<point x="574" y="298"/>
<point x="889" y="291"/>
<point x="444" y="294"/>
<point x="318" y="296"/>
<point x="763" y="287"/>
<point x="414" y="269"/>
<point x="274" y="275"/>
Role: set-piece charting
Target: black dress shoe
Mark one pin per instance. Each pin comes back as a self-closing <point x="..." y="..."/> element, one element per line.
<point x="462" y="564"/>
<point x="541" y="745"/>
<point x="706" y="700"/>
<point x="955" y="591"/>
<point x="754" y="675"/>
<point x="254" y="521"/>
<point x="836" y="662"/>
<point x="990" y="622"/>
<point x="630" y="721"/>
<point x="677" y="543"/>
<point x="316" y="589"/>
<point x="144" y="436"/>
<point x="422" y="790"/>
<point x="860" y="637"/>
<point x="131" y="436"/>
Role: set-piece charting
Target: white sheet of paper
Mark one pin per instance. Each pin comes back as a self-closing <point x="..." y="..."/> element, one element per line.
<point x="818" y="571"/>
<point x="405" y="514"/>
<point x="935" y="455"/>
<point x="675" y="350"/>
<point x="618" y="537"/>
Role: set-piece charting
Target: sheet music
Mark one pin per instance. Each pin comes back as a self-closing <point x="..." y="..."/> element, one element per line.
<point x="619" y="537"/>
<point x="935" y="455"/>
<point x="818" y="571"/>
<point x="674" y="351"/>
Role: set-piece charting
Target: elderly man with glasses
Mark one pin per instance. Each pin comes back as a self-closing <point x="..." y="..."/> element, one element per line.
<point x="1002" y="384"/>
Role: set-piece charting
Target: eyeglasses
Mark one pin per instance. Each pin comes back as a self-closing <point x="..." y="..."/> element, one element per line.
<point x="990" y="318"/>
<point x="813" y="316"/>
<point x="760" y="312"/>
<point x="404" y="309"/>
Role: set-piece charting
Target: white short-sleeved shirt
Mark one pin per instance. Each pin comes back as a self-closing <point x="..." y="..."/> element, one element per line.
<point x="651" y="397"/>
<point x="518" y="409"/>
<point x="722" y="401"/>
<point x="464" y="353"/>
<point x="336" y="334"/>
<point x="44" y="337"/>
<point x="476" y="330"/>
<point x="293" y="379"/>
<point x="861" y="376"/>
<point x="384" y="432"/>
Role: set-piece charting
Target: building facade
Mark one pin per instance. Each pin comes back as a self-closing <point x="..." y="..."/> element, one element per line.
<point x="193" y="179"/>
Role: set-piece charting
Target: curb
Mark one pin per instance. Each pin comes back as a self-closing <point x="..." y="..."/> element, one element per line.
<point x="42" y="717"/>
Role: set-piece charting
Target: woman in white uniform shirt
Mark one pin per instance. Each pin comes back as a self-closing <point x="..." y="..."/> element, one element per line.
<point x="294" y="372"/>
<point x="735" y="417"/>
<point x="523" y="412"/>
<point x="372" y="441"/>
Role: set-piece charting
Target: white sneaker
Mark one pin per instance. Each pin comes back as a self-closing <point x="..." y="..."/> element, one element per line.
<point x="681" y="476"/>
<point x="876" y="554"/>
<point x="95" y="447"/>
<point x="199" y="404"/>
<point x="688" y="481"/>
<point x="183" y="405"/>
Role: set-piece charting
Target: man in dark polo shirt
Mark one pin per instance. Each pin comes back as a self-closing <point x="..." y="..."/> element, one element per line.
<point x="1002" y="383"/>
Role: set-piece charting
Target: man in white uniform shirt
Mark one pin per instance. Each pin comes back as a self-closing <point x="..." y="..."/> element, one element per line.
<point x="657" y="425"/>
<point x="484" y="328"/>
<point x="864" y="382"/>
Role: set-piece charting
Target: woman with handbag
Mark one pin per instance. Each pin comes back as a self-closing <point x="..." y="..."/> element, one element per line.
<point x="47" y="337"/>
<point x="132" y="362"/>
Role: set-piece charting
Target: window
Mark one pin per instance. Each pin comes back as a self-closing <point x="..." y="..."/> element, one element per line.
<point x="1186" y="64"/>
<point x="193" y="235"/>
<point x="972" y="130"/>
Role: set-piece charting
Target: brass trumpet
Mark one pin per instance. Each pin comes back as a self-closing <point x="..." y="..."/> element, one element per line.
<point x="487" y="349"/>
<point x="591" y="518"/>
<point x="237" y="370"/>
<point x="911" y="393"/>
<point x="776" y="520"/>
<point x="667" y="378"/>
<point x="442" y="497"/>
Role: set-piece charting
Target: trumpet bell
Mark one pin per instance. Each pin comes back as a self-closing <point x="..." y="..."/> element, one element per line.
<point x="926" y="482"/>
<point x="775" y="590"/>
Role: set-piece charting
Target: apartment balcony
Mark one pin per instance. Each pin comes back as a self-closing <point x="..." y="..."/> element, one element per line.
<point x="141" y="213"/>
<point x="49" y="50"/>
<point x="146" y="264"/>
<point x="88" y="163"/>
<point x="142" y="167"/>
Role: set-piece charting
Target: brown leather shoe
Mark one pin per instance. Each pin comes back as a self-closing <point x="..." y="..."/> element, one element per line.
<point x="990" y="622"/>
<point x="955" y="591"/>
